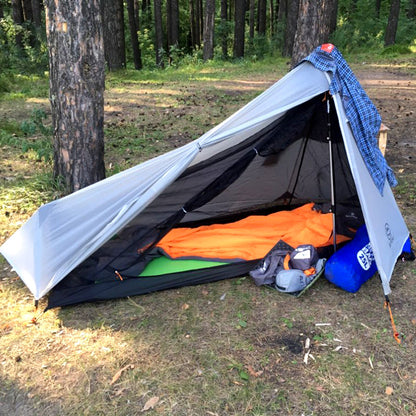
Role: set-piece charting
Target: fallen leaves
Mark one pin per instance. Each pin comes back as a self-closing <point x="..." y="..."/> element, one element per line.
<point x="389" y="390"/>
<point x="150" y="404"/>
<point x="120" y="372"/>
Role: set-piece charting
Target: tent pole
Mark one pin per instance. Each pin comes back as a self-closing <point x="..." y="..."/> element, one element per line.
<point x="332" y="173"/>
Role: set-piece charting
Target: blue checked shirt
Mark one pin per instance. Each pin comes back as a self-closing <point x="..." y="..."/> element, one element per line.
<point x="362" y="114"/>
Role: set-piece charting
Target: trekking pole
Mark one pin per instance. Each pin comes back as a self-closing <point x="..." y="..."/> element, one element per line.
<point x="331" y="172"/>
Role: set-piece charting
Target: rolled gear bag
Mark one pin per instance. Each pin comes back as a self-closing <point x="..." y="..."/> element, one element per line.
<point x="353" y="264"/>
<point x="277" y="270"/>
<point x="294" y="280"/>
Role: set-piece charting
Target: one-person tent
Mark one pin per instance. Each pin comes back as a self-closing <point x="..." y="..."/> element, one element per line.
<point x="308" y="141"/>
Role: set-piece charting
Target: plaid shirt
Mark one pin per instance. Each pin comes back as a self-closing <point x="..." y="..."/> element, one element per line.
<point x="362" y="114"/>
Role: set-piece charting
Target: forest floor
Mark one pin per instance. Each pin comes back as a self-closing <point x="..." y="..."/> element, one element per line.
<point x="226" y="348"/>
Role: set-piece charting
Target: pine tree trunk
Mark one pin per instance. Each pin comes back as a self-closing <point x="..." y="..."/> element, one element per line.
<point x="27" y="10"/>
<point x="158" y="33"/>
<point x="172" y="23"/>
<point x="291" y="24"/>
<point x="113" y="32"/>
<point x="76" y="58"/>
<point x="282" y="11"/>
<point x="391" y="29"/>
<point x="224" y="43"/>
<point x="262" y="11"/>
<point x="251" y="20"/>
<point x="239" y="28"/>
<point x="137" y="53"/>
<point x="36" y="9"/>
<point x="208" y="52"/>
<point x="18" y="19"/>
<point x="313" y="27"/>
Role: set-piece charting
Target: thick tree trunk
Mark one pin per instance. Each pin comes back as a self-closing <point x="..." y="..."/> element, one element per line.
<point x="76" y="57"/>
<point x="208" y="52"/>
<point x="391" y="29"/>
<point x="291" y="24"/>
<point x="113" y="32"/>
<point x="158" y="33"/>
<point x="239" y="28"/>
<point x="313" y="27"/>
<point x="137" y="53"/>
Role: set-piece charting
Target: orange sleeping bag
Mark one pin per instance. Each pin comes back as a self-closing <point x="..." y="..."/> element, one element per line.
<point x="252" y="237"/>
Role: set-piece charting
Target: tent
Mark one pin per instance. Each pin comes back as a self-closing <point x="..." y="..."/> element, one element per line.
<point x="309" y="138"/>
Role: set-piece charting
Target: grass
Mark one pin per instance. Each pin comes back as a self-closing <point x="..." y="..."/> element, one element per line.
<point x="227" y="348"/>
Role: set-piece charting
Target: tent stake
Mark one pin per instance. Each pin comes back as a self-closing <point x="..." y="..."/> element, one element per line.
<point x="332" y="174"/>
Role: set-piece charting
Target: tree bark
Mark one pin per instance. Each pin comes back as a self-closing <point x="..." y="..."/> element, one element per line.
<point x="36" y="9"/>
<point x="239" y="28"/>
<point x="76" y="58"/>
<point x="261" y="14"/>
<point x="158" y="33"/>
<point x="137" y="53"/>
<point x="113" y="31"/>
<point x="27" y="10"/>
<point x="224" y="21"/>
<point x="313" y="27"/>
<point x="172" y="17"/>
<point x="18" y="19"/>
<point x="392" y="23"/>
<point x="291" y="24"/>
<point x="208" y="52"/>
<point x="282" y="12"/>
<point x="251" y="20"/>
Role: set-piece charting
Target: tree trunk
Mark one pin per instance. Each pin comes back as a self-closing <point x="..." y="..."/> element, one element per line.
<point x="208" y="52"/>
<point x="251" y="20"/>
<point x="391" y="29"/>
<point x="137" y="53"/>
<point x="172" y="18"/>
<point x="282" y="12"/>
<point x="291" y="24"/>
<point x="198" y="11"/>
<point x="113" y="31"/>
<point x="411" y="11"/>
<point x="272" y="20"/>
<point x="18" y="19"/>
<point x="36" y="9"/>
<point x="261" y="15"/>
<point x="224" y="21"/>
<point x="334" y="16"/>
<point x="313" y="27"/>
<point x="76" y="58"/>
<point x="378" y="7"/>
<point x="27" y="10"/>
<point x="158" y="33"/>
<point x="239" y="28"/>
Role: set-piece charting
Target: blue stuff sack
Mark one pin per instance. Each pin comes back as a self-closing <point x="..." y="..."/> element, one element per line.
<point x="353" y="264"/>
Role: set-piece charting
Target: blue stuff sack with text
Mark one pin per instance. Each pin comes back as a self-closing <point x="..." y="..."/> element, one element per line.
<point x="353" y="264"/>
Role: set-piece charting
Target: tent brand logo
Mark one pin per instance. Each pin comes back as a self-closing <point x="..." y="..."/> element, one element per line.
<point x="365" y="257"/>
<point x="389" y="234"/>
